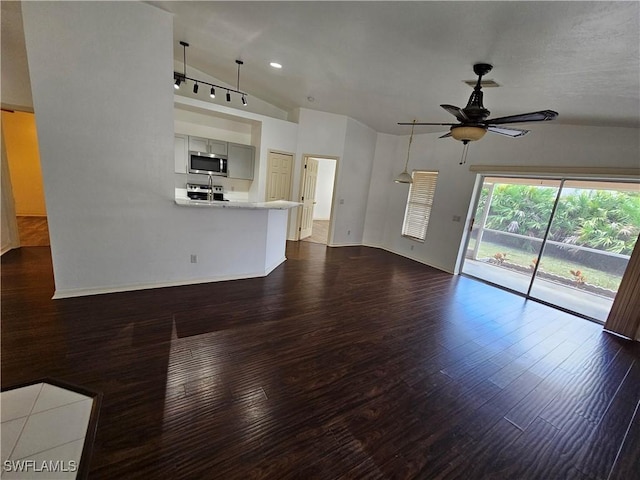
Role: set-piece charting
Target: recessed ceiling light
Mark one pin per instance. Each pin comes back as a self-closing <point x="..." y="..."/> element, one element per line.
<point x="275" y="65"/>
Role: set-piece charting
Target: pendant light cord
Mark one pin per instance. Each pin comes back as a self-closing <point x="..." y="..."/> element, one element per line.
<point x="239" y="62"/>
<point x="184" y="58"/>
<point x="406" y="164"/>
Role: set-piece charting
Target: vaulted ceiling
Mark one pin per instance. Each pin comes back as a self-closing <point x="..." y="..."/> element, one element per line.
<point x="385" y="62"/>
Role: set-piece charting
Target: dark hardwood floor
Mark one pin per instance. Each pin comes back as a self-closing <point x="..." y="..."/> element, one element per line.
<point x="343" y="363"/>
<point x="33" y="231"/>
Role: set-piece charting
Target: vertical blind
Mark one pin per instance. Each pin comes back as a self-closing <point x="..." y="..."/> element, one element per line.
<point x="419" y="202"/>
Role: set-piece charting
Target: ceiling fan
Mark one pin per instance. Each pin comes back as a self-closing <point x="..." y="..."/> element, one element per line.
<point x="473" y="121"/>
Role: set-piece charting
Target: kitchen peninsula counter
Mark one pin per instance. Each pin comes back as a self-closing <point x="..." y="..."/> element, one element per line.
<point x="233" y="239"/>
<point x="275" y="205"/>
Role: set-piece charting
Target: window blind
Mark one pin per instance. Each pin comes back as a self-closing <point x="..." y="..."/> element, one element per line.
<point x="419" y="202"/>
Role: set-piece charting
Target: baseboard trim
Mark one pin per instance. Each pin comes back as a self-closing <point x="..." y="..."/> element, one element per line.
<point x="83" y="292"/>
<point x="415" y="259"/>
<point x="8" y="248"/>
<point x="274" y="266"/>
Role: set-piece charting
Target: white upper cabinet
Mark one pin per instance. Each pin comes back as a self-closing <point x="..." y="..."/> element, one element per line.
<point x="240" y="161"/>
<point x="198" y="144"/>
<point x="207" y="145"/>
<point x="217" y="146"/>
<point x="181" y="146"/>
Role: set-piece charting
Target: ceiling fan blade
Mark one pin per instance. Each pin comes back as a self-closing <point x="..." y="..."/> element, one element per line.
<point x="423" y="123"/>
<point x="456" y="112"/>
<point x="509" y="132"/>
<point x="541" y="116"/>
<point x="448" y="134"/>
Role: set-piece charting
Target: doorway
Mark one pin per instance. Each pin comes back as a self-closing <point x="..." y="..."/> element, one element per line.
<point x="23" y="159"/>
<point x="565" y="242"/>
<point x="317" y="193"/>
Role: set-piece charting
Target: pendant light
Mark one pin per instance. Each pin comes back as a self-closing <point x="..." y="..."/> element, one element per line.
<point x="404" y="177"/>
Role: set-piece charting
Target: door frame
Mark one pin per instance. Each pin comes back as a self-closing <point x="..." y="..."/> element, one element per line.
<point x="305" y="156"/>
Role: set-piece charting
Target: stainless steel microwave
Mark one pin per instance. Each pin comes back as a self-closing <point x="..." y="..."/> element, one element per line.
<point x="208" y="163"/>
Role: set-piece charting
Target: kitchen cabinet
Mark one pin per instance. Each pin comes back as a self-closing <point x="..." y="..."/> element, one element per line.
<point x="181" y="146"/>
<point x="207" y="145"/>
<point x="240" y="161"/>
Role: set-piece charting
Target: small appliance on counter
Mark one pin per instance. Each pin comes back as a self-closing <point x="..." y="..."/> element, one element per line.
<point x="197" y="191"/>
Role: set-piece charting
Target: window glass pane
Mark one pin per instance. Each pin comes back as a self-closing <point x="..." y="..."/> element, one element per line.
<point x="592" y="235"/>
<point x="508" y="230"/>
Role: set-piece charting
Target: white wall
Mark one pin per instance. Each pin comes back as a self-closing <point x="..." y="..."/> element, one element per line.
<point x="275" y="238"/>
<point x="352" y="184"/>
<point x="324" y="189"/>
<point x="386" y="166"/>
<point x="16" y="90"/>
<point x="107" y="155"/>
<point x="326" y="134"/>
<point x="550" y="145"/>
<point x="210" y="126"/>
<point x="319" y="134"/>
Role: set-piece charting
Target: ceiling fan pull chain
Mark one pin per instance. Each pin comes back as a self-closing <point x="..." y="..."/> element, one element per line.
<point x="465" y="149"/>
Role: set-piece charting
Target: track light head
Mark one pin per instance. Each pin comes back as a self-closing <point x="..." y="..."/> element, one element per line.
<point x="213" y="93"/>
<point x="177" y="84"/>
<point x="244" y="100"/>
<point x="195" y="87"/>
<point x="228" y="96"/>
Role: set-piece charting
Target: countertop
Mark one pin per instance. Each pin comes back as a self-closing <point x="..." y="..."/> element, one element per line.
<point x="275" y="205"/>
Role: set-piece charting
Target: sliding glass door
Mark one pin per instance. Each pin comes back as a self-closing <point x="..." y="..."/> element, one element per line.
<point x="591" y="237"/>
<point x="565" y="242"/>
<point x="508" y="232"/>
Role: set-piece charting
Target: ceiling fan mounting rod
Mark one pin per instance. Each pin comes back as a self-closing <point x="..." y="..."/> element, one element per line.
<point x="475" y="109"/>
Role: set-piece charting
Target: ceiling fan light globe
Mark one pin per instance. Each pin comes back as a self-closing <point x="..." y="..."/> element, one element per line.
<point x="467" y="133"/>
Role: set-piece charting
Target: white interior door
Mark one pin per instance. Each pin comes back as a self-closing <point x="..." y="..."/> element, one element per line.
<point x="308" y="196"/>
<point x="279" y="176"/>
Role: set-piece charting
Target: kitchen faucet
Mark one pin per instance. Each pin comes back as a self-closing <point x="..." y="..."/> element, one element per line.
<point x="210" y="194"/>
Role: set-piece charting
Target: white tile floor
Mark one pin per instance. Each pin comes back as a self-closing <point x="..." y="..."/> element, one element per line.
<point x="43" y="429"/>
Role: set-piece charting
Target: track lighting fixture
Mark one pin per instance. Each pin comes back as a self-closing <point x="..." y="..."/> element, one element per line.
<point x="182" y="77"/>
